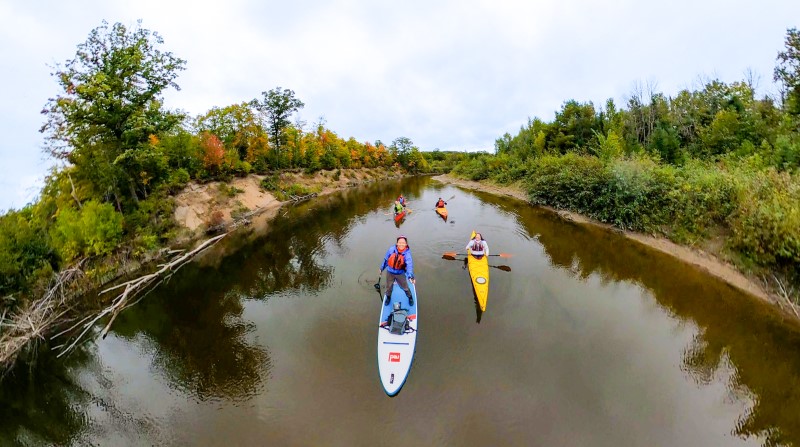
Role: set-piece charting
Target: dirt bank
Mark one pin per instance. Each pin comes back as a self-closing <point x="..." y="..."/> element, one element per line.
<point x="703" y="260"/>
<point x="200" y="206"/>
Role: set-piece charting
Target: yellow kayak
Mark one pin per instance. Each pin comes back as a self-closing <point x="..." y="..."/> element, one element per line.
<point x="479" y="273"/>
<point x="442" y="212"/>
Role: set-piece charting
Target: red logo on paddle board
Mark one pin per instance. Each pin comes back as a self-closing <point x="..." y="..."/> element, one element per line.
<point x="394" y="356"/>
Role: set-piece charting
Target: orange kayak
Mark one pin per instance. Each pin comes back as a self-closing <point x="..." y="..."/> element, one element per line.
<point x="442" y="212"/>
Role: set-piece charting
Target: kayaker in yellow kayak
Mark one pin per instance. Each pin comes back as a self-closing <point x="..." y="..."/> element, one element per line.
<point x="440" y="203"/>
<point x="477" y="261"/>
<point x="477" y="247"/>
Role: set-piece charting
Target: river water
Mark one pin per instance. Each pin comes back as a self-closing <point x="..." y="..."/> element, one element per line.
<point x="270" y="339"/>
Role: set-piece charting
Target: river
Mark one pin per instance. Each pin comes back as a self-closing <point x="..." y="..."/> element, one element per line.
<point x="269" y="338"/>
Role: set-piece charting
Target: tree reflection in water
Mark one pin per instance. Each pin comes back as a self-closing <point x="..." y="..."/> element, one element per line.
<point x="192" y="325"/>
<point x="195" y="321"/>
<point x="733" y="331"/>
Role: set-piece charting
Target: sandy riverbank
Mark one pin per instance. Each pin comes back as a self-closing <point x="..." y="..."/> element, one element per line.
<point x="702" y="260"/>
<point x="200" y="206"/>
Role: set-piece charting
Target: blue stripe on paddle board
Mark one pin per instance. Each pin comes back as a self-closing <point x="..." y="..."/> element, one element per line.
<point x="393" y="343"/>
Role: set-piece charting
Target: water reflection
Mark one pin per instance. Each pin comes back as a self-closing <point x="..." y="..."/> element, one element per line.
<point x="43" y="405"/>
<point x="200" y="342"/>
<point x="251" y="345"/>
<point x="743" y="335"/>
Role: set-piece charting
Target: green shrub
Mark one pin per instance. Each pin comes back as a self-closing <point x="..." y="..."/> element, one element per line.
<point x="153" y="215"/>
<point x="570" y="182"/>
<point x="240" y="211"/>
<point x="178" y="180"/>
<point x="637" y="193"/>
<point x="766" y="224"/>
<point x="25" y="251"/>
<point x="95" y="229"/>
<point x="270" y="183"/>
<point x="242" y="168"/>
<point x="229" y="190"/>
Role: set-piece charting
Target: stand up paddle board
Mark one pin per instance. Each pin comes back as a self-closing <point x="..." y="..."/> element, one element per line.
<point x="397" y="339"/>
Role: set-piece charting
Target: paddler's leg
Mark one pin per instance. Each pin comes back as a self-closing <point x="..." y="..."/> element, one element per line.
<point x="387" y="295"/>
<point x="401" y="280"/>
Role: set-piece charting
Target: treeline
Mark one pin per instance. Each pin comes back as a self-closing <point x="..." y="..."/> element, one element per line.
<point x="123" y="154"/>
<point x="715" y="161"/>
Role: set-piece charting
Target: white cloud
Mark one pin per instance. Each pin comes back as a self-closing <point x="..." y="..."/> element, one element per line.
<point x="448" y="75"/>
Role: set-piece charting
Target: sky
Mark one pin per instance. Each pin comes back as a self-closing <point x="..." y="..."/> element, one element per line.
<point x="449" y="75"/>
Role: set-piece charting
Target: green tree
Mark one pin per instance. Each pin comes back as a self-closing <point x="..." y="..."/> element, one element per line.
<point x="110" y="106"/>
<point x="788" y="71"/>
<point x="400" y="148"/>
<point x="277" y="106"/>
<point x="573" y="127"/>
<point x="236" y="125"/>
<point x="417" y="162"/>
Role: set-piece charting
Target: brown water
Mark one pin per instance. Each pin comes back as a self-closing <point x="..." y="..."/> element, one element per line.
<point x="269" y="339"/>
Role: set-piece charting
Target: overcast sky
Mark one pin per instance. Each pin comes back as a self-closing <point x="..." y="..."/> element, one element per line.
<point x="448" y="75"/>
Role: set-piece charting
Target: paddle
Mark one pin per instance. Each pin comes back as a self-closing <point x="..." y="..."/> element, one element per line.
<point x="377" y="286"/>
<point x="454" y="254"/>
<point x="504" y="268"/>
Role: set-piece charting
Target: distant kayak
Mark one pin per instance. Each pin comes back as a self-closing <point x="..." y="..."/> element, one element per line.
<point x="479" y="273"/>
<point x="442" y="212"/>
<point x="397" y="339"/>
<point x="399" y="216"/>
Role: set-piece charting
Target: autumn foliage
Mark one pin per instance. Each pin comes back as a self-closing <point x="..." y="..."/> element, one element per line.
<point x="213" y="151"/>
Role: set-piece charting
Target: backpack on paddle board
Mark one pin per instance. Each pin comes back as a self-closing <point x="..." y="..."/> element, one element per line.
<point x="398" y="321"/>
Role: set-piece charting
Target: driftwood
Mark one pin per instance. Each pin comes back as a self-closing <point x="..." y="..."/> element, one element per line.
<point x="18" y="330"/>
<point x="295" y="199"/>
<point x="785" y="295"/>
<point x="131" y="289"/>
<point x="243" y="220"/>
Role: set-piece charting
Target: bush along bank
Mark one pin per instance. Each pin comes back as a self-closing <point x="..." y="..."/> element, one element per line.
<point x="755" y="210"/>
<point x="716" y="162"/>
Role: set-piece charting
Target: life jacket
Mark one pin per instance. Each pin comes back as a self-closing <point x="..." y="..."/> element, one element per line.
<point x="477" y="246"/>
<point x="397" y="261"/>
<point x="440" y="204"/>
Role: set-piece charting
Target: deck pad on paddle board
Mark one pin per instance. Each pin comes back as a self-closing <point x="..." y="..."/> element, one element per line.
<point x="396" y="351"/>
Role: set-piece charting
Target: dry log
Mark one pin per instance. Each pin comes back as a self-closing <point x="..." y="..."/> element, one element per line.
<point x="29" y="325"/>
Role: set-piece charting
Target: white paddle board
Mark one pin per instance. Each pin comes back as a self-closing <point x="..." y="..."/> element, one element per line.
<point x="396" y="343"/>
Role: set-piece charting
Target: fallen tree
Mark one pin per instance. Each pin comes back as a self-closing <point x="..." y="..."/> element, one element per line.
<point x="130" y="290"/>
<point x="36" y="323"/>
